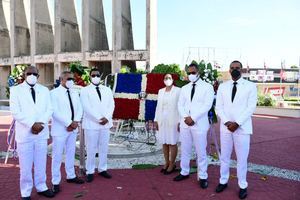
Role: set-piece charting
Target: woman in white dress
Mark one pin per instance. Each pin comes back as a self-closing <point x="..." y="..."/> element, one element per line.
<point x="167" y="122"/>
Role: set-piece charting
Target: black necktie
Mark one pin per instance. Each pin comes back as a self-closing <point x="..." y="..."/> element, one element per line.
<point x="98" y="92"/>
<point x="71" y="105"/>
<point x="233" y="91"/>
<point x="193" y="91"/>
<point x="33" y="94"/>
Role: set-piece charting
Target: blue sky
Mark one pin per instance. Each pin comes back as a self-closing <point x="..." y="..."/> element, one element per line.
<point x="253" y="31"/>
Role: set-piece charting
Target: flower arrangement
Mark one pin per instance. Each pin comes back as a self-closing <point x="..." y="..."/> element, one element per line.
<point x="16" y="77"/>
<point x="81" y="74"/>
<point x="140" y="92"/>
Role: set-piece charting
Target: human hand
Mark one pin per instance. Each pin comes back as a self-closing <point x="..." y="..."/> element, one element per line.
<point x="37" y="127"/>
<point x="103" y="121"/>
<point x="189" y="121"/>
<point x="233" y="127"/>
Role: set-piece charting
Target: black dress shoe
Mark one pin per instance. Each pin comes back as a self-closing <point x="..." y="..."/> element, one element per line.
<point x="105" y="174"/>
<point x="221" y="187"/>
<point x="75" y="180"/>
<point x="243" y="193"/>
<point x="89" y="178"/>
<point x="26" y="198"/>
<point x="180" y="177"/>
<point x="203" y="183"/>
<point x="163" y="170"/>
<point x="47" y="193"/>
<point x="56" y="189"/>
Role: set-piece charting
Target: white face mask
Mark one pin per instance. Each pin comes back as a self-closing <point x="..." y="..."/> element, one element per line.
<point x="69" y="84"/>
<point x="31" y="79"/>
<point x="96" y="80"/>
<point x="193" y="77"/>
<point x="168" y="82"/>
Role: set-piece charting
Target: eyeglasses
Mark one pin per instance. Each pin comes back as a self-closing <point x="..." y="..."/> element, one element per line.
<point x="168" y="78"/>
<point x="95" y="75"/>
<point x="70" y="79"/>
<point x="191" y="73"/>
<point x="29" y="74"/>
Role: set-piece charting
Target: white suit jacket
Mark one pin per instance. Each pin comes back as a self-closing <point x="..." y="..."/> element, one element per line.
<point x="242" y="107"/>
<point x="197" y="108"/>
<point x="62" y="113"/>
<point x="94" y="109"/>
<point x="26" y="112"/>
<point x="172" y="108"/>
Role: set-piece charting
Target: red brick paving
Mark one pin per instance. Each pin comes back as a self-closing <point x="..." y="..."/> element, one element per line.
<point x="275" y="142"/>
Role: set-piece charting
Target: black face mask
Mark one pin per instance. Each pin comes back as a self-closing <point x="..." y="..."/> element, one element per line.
<point x="235" y="73"/>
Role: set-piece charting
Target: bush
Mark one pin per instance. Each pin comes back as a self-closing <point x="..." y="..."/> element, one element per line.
<point x="265" y="100"/>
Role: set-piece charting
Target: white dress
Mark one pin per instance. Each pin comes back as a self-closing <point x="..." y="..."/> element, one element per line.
<point x="167" y="126"/>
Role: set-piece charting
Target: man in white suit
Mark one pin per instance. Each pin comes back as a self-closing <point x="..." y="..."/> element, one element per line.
<point x="236" y="102"/>
<point x="66" y="116"/>
<point x="98" y="106"/>
<point x="31" y="108"/>
<point x="195" y="100"/>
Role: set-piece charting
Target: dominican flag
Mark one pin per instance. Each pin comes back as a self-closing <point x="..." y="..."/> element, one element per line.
<point x="135" y="95"/>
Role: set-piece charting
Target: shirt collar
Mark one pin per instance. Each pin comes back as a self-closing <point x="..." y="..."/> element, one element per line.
<point x="28" y="86"/>
<point x="63" y="88"/>
<point x="239" y="81"/>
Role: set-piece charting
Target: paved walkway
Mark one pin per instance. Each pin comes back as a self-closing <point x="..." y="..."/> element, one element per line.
<point x="274" y="157"/>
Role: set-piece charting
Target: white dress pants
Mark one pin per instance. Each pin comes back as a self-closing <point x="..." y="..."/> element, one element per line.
<point x="96" y="141"/>
<point x="33" y="152"/>
<point x="190" y="136"/>
<point x="241" y="143"/>
<point x="61" y="144"/>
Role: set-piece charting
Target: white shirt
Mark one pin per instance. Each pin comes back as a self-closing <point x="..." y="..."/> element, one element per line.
<point x="198" y="108"/>
<point x="94" y="109"/>
<point x="26" y="112"/>
<point x="242" y="107"/>
<point x="62" y="115"/>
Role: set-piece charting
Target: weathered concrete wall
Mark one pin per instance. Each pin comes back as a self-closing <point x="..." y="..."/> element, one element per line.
<point x="4" y="34"/>
<point x="4" y="72"/>
<point x="70" y="37"/>
<point x="46" y="72"/>
<point x="97" y="29"/>
<point x="22" y="35"/>
<point x="44" y="38"/>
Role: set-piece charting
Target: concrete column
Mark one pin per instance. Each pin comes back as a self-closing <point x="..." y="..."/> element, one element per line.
<point x="127" y="37"/>
<point x="12" y="33"/>
<point x="43" y="31"/>
<point x="116" y="34"/>
<point x="32" y="31"/>
<point x="151" y="33"/>
<point x="22" y="33"/>
<point x="57" y="37"/>
<point x="4" y="34"/>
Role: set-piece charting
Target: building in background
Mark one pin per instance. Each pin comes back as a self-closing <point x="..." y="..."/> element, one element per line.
<point x="28" y="37"/>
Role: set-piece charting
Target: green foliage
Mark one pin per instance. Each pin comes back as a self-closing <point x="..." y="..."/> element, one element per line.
<point x="16" y="77"/>
<point x="265" y="100"/>
<point x="144" y="166"/>
<point x="167" y="69"/>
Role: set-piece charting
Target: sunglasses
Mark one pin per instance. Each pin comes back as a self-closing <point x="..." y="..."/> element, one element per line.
<point x="191" y="73"/>
<point x="29" y="74"/>
<point x="95" y="75"/>
<point x="70" y="79"/>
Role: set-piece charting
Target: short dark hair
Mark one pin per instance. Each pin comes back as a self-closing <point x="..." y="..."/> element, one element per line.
<point x="94" y="70"/>
<point x="31" y="67"/>
<point x="64" y="73"/>
<point x="236" y="61"/>
<point x="193" y="65"/>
